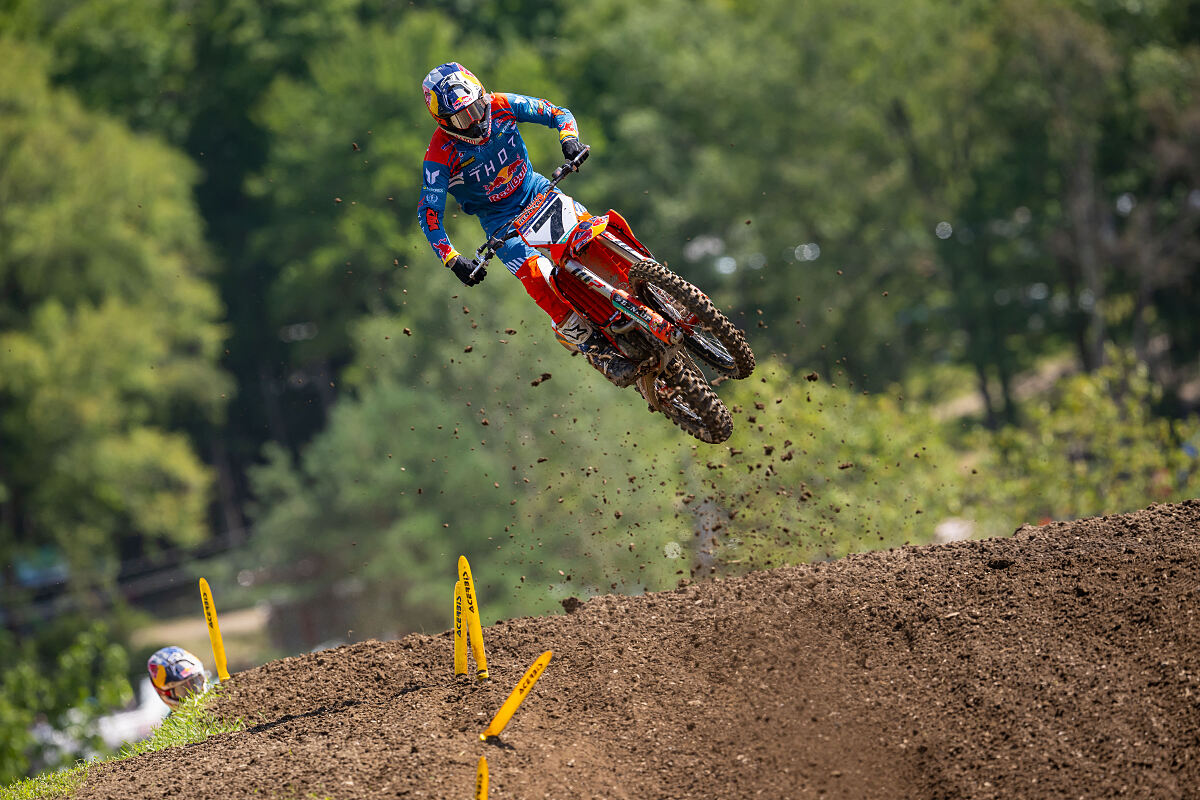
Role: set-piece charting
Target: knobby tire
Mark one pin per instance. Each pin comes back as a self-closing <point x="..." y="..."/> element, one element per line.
<point x="683" y="384"/>
<point x="710" y="319"/>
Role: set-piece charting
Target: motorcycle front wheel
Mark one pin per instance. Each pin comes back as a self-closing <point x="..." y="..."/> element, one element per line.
<point x="709" y="335"/>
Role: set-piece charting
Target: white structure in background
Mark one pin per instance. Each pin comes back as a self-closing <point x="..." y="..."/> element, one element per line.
<point x="953" y="529"/>
<point x="115" y="729"/>
<point x="137" y="723"/>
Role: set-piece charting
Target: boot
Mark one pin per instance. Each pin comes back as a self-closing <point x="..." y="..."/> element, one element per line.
<point x="578" y="335"/>
<point x="600" y="353"/>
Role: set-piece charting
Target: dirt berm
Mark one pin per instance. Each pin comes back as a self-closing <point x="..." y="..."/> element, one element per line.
<point x="1063" y="662"/>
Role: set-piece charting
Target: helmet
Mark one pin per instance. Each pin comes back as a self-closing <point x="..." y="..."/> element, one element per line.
<point x="458" y="102"/>
<point x="176" y="673"/>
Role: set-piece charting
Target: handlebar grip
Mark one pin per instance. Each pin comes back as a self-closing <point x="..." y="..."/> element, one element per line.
<point x="571" y="166"/>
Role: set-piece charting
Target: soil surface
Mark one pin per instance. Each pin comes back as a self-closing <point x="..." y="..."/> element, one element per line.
<point x="1062" y="662"/>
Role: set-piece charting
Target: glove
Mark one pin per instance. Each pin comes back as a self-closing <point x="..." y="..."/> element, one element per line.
<point x="573" y="147"/>
<point x="462" y="269"/>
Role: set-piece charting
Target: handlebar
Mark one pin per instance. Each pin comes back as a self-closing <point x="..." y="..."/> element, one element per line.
<point x="486" y="251"/>
<point x="570" y="166"/>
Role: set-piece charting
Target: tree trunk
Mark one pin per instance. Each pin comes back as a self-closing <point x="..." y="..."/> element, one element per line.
<point x="1083" y="214"/>
<point x="231" y="513"/>
<point x="985" y="395"/>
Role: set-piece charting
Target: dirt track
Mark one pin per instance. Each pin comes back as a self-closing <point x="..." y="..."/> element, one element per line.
<point x="1062" y="662"/>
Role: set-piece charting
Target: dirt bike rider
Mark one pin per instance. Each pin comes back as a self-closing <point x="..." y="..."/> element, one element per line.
<point x="478" y="155"/>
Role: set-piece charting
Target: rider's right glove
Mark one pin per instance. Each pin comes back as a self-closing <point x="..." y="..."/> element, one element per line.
<point x="462" y="269"/>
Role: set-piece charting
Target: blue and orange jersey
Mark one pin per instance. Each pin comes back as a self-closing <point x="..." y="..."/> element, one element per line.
<point x="494" y="179"/>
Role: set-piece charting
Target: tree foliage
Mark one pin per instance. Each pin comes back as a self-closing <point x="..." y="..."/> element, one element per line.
<point x="47" y="716"/>
<point x="1093" y="445"/>
<point x="109" y="337"/>
<point x="99" y="231"/>
<point x="976" y="163"/>
<point x="844" y="472"/>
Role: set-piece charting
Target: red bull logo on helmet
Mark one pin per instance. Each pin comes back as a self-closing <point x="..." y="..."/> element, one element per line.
<point x="449" y="88"/>
<point x="158" y="675"/>
<point x="506" y="181"/>
<point x="460" y="100"/>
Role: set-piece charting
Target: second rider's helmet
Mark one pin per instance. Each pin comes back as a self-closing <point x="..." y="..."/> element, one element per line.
<point x="176" y="673"/>
<point x="458" y="102"/>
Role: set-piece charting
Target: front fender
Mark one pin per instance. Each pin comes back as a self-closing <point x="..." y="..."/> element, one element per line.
<point x="584" y="232"/>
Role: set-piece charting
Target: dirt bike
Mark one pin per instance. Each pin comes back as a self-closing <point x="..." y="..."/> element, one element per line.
<point x="654" y="317"/>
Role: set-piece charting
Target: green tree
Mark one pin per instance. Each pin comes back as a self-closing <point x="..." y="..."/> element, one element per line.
<point x="110" y="328"/>
<point x="193" y="72"/>
<point x="782" y="166"/>
<point x="1094" y="446"/>
<point x="969" y="162"/>
<point x="837" y="472"/>
<point x="87" y="679"/>
<point x="108" y="346"/>
<point x="130" y="59"/>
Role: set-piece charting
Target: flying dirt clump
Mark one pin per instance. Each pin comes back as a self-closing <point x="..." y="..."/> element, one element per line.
<point x="1063" y="661"/>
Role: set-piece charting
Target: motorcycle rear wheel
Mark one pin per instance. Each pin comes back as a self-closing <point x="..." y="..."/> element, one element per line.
<point x="711" y="337"/>
<point x="688" y="400"/>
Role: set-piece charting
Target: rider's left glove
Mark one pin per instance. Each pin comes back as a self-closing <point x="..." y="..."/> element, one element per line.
<point x="573" y="147"/>
<point x="462" y="269"/>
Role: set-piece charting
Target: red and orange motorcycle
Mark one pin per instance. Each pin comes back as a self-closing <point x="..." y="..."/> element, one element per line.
<point x="652" y="316"/>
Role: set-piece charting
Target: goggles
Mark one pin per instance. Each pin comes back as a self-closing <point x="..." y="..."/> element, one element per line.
<point x="470" y="115"/>
<point x="174" y="693"/>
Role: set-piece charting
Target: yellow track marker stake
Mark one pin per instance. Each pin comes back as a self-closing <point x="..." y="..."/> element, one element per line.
<point x="517" y="696"/>
<point x="214" y="630"/>
<point x="481" y="779"/>
<point x="460" y="631"/>
<point x="474" y="629"/>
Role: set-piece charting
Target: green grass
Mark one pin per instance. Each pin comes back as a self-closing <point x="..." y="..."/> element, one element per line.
<point x="190" y="723"/>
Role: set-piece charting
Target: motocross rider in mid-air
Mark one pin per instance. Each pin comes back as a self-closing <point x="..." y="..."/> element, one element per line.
<point x="477" y="154"/>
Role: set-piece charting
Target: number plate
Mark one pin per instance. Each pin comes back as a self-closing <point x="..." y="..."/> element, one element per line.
<point x="552" y="222"/>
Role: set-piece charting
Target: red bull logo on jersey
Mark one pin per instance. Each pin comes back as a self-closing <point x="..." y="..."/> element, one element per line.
<point x="444" y="250"/>
<point x="506" y="181"/>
